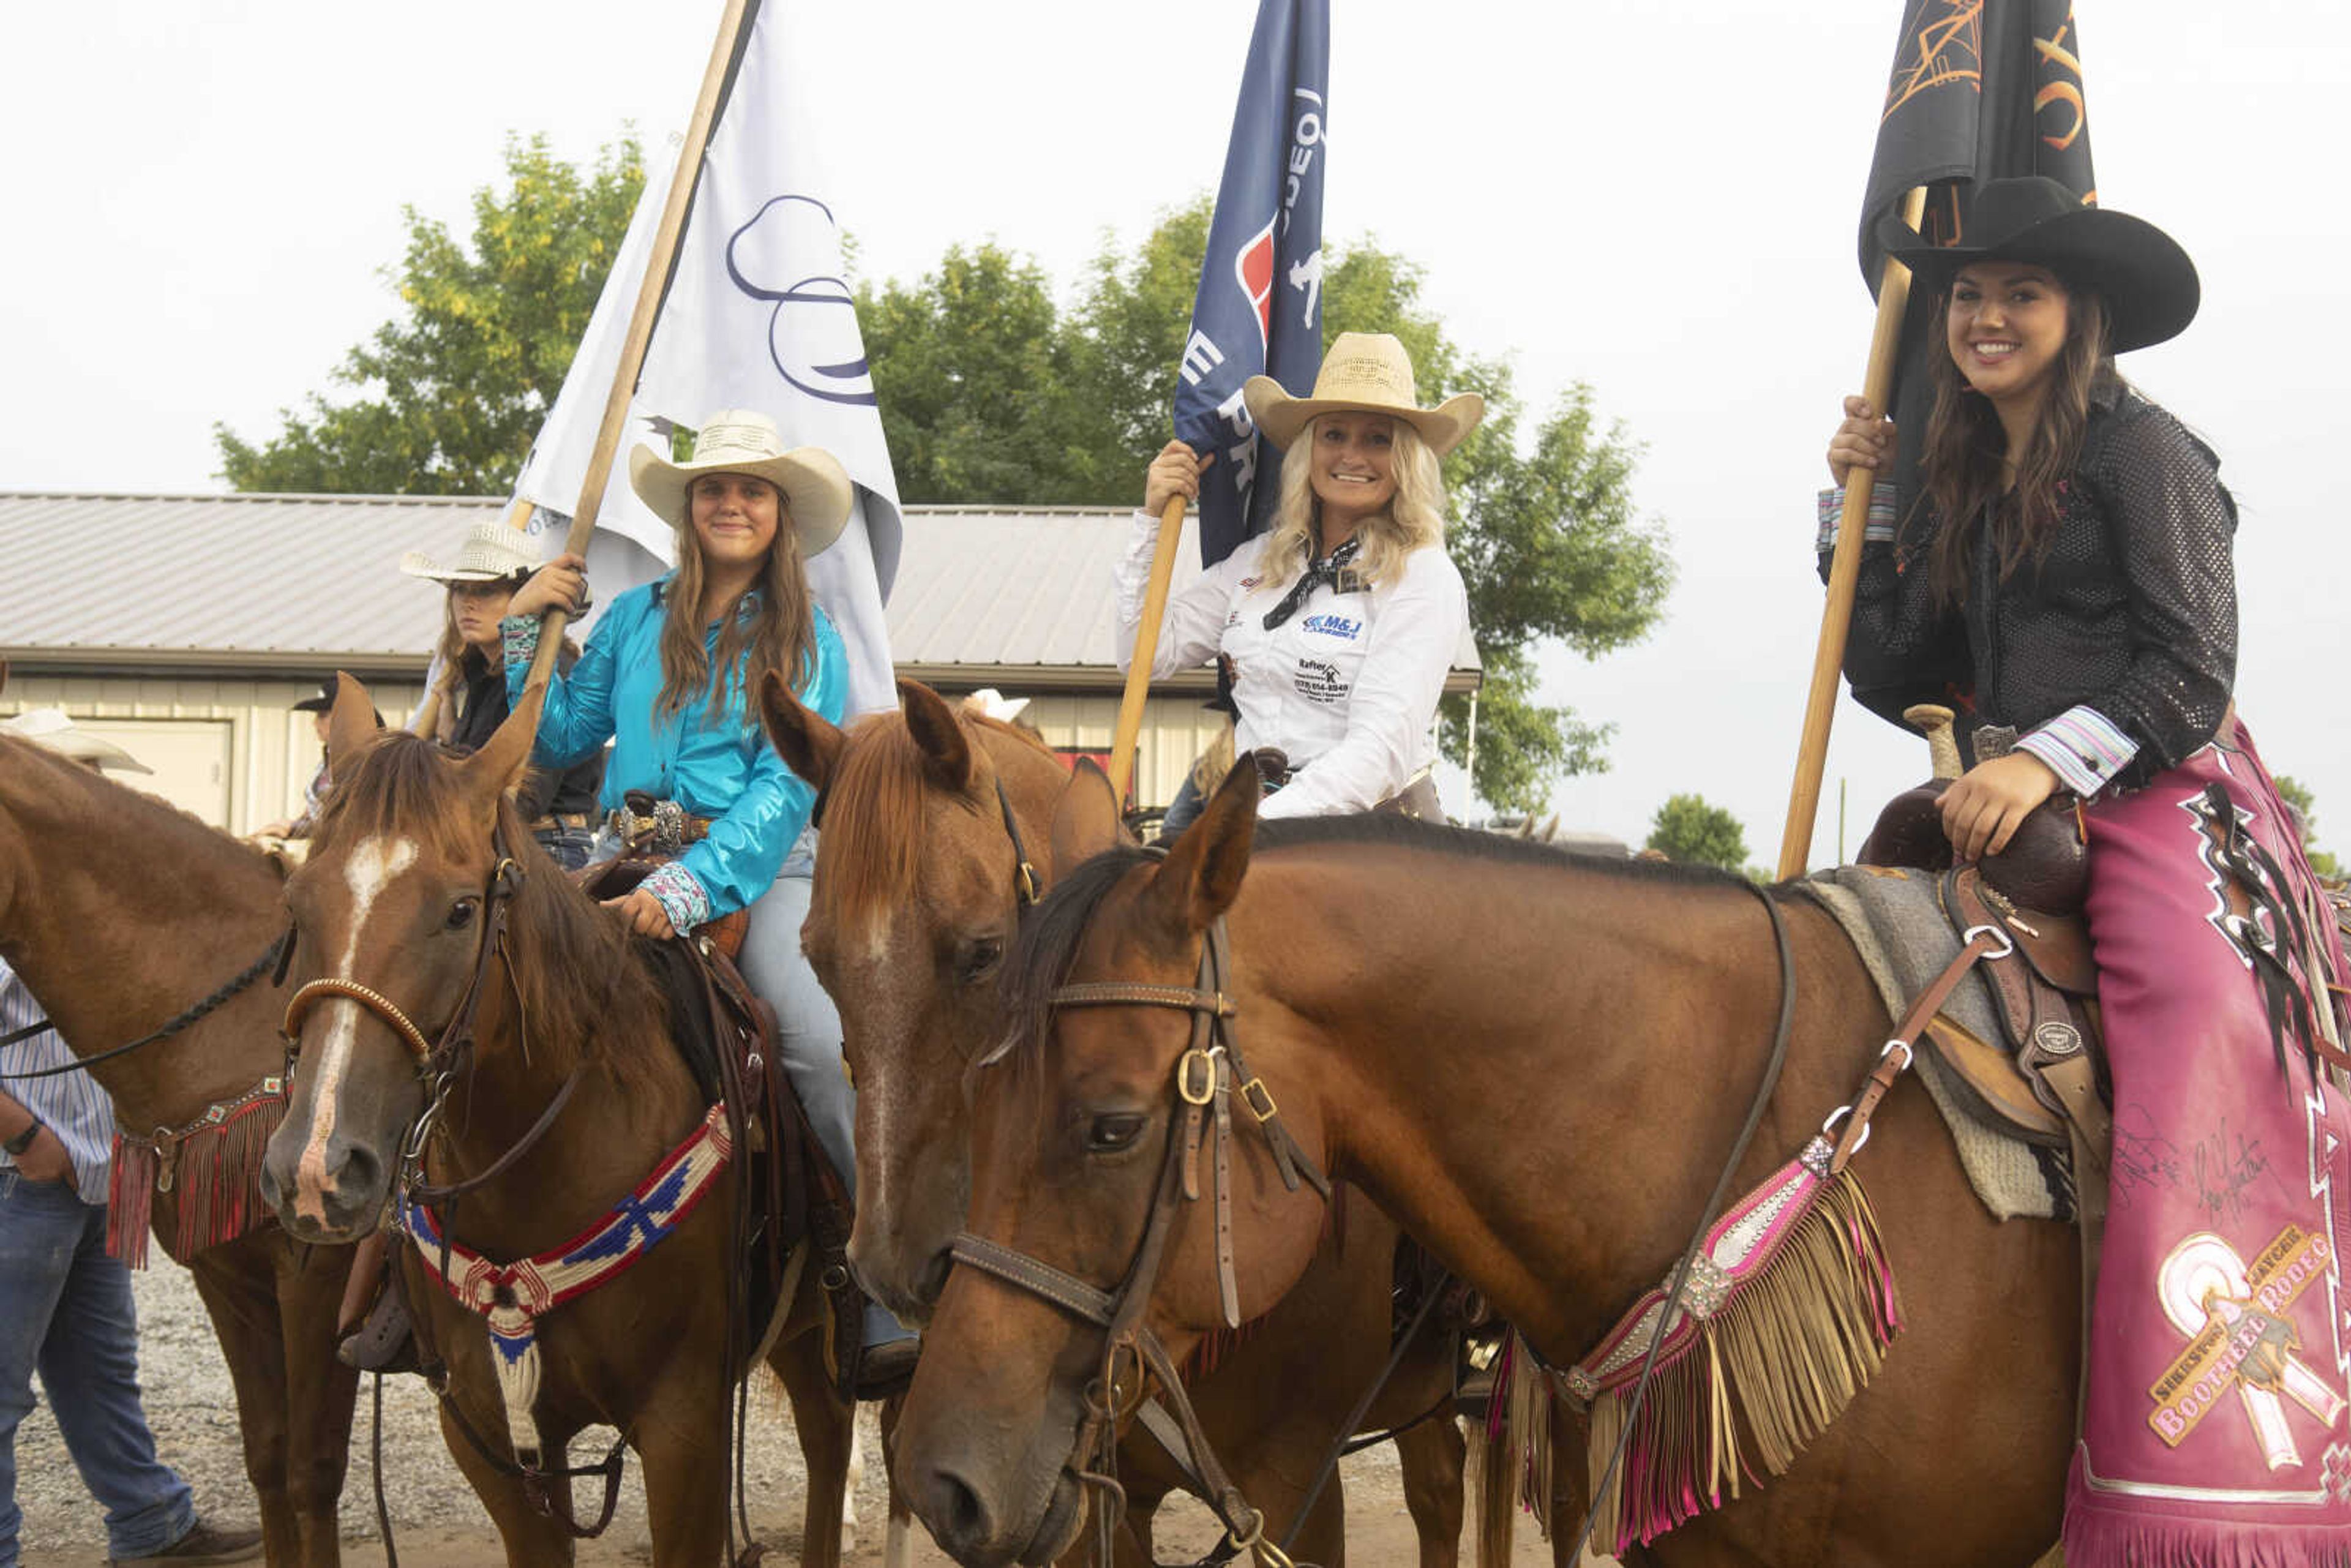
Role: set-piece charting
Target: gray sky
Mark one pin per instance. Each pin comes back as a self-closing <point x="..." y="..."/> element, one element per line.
<point x="1655" y="196"/>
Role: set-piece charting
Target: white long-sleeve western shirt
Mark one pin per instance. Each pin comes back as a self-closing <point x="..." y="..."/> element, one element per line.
<point x="1347" y="687"/>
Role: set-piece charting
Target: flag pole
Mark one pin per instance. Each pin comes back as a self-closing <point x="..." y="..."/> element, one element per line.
<point x="1146" y="649"/>
<point x="640" y="322"/>
<point x="1845" y="565"/>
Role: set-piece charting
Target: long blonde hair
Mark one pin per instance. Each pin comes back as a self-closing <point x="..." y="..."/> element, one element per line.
<point x="1415" y="518"/>
<point x="779" y="635"/>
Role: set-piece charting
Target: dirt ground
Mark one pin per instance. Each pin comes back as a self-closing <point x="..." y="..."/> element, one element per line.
<point x="437" y="1522"/>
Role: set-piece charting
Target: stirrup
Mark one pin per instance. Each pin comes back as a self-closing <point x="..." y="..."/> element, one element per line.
<point x="383" y="1342"/>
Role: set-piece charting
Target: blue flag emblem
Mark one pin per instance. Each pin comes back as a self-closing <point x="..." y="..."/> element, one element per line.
<point x="1259" y="307"/>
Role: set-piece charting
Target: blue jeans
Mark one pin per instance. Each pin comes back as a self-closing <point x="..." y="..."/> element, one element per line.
<point x="570" y="846"/>
<point x="808" y="1038"/>
<point x="65" y="1311"/>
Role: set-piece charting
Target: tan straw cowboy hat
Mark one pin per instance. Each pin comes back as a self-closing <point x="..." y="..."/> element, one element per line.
<point x="1363" y="372"/>
<point x="492" y="552"/>
<point x="50" y="728"/>
<point x="814" y="485"/>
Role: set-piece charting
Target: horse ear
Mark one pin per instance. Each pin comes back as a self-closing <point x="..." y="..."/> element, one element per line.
<point x="498" y="766"/>
<point x="1086" y="819"/>
<point x="351" y="722"/>
<point x="1203" y="873"/>
<point x="809" y="746"/>
<point x="946" y="751"/>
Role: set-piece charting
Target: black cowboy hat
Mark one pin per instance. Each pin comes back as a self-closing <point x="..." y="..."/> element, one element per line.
<point x="2148" y="282"/>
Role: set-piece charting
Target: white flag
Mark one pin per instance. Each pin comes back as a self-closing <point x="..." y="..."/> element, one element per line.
<point x="758" y="315"/>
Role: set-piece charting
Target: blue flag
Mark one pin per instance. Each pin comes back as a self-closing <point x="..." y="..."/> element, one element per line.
<point x="1260" y="308"/>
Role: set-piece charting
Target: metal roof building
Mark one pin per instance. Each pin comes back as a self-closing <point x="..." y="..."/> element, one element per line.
<point x="184" y="625"/>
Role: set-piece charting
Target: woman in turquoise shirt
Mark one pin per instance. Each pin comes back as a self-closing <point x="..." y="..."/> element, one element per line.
<point x="673" y="692"/>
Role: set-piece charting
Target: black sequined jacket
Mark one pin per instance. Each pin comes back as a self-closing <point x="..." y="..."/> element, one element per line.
<point x="564" y="791"/>
<point x="2131" y="611"/>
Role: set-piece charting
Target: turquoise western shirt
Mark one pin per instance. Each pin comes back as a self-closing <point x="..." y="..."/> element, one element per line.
<point x="720" y="767"/>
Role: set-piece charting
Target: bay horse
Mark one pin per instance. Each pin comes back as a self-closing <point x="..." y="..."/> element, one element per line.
<point x="413" y="852"/>
<point x="119" y="912"/>
<point x="919" y="892"/>
<point x="1538" y="1064"/>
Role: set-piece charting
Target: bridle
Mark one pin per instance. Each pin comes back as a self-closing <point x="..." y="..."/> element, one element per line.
<point x="1209" y="1075"/>
<point x="440" y="1063"/>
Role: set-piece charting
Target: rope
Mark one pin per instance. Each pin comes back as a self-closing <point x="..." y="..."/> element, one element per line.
<point x="210" y="1003"/>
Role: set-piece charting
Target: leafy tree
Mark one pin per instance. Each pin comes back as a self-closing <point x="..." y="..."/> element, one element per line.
<point x="2298" y="796"/>
<point x="1686" y="829"/>
<point x="451" y="392"/>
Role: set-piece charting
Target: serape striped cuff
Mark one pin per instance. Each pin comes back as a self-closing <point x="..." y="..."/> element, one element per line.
<point x="2083" y="746"/>
<point x="680" y="895"/>
<point x="1880" y="527"/>
<point x="519" y="635"/>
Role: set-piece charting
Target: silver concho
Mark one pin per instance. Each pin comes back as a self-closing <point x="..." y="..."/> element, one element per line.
<point x="2056" y="1038"/>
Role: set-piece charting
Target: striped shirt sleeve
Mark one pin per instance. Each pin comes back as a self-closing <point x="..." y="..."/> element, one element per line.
<point x="69" y="1104"/>
<point x="2083" y="746"/>
<point x="1878" y="530"/>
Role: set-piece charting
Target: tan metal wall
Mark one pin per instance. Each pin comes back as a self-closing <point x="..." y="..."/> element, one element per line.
<point x="233" y="752"/>
<point x="1175" y="731"/>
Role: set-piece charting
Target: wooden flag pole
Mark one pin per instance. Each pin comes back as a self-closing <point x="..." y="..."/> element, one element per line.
<point x="640" y="323"/>
<point x="1845" y="565"/>
<point x="1147" y="648"/>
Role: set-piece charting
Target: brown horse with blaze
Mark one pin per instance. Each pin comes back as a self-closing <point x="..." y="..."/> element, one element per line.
<point x="1535" y="1063"/>
<point x="394" y="902"/>
<point x="932" y="819"/>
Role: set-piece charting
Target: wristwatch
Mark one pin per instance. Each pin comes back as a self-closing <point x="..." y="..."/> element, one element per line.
<point x="24" y="1140"/>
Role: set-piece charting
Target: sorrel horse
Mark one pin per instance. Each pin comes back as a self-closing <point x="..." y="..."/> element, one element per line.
<point x="918" y="894"/>
<point x="119" y="912"/>
<point x="412" y="851"/>
<point x="1537" y="1063"/>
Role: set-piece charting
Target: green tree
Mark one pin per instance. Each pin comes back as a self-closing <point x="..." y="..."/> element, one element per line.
<point x="2298" y="796"/>
<point x="1686" y="829"/>
<point x="450" y="394"/>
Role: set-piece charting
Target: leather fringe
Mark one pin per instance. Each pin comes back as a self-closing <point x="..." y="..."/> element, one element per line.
<point x="215" y="1169"/>
<point x="1779" y="1362"/>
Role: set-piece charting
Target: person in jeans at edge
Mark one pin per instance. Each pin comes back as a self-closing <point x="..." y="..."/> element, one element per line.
<point x="65" y="1305"/>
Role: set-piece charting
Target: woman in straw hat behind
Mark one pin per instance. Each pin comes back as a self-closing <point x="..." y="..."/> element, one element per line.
<point x="670" y="675"/>
<point x="2069" y="561"/>
<point x="1341" y="623"/>
<point x="469" y="696"/>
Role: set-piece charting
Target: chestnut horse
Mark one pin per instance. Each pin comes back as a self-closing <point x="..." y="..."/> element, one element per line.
<point x="917" y="897"/>
<point x="119" y="912"/>
<point x="395" y="900"/>
<point x="1538" y="1064"/>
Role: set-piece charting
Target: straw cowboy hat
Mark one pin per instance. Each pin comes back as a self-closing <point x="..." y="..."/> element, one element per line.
<point x="992" y="703"/>
<point x="1363" y="372"/>
<point x="814" y="485"/>
<point x="50" y="728"/>
<point x="492" y="552"/>
<point x="2148" y="282"/>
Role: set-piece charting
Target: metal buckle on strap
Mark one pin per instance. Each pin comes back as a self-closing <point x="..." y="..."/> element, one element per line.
<point x="2007" y="943"/>
<point x="1203" y="1062"/>
<point x="1259" y="1099"/>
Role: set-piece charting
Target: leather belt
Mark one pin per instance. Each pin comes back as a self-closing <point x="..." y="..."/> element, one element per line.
<point x="556" y="821"/>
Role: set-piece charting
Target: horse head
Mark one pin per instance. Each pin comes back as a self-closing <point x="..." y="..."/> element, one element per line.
<point x="1075" y="1123"/>
<point x="917" y="896"/>
<point x="390" y="914"/>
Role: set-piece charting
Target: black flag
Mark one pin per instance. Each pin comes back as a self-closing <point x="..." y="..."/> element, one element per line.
<point x="1980" y="90"/>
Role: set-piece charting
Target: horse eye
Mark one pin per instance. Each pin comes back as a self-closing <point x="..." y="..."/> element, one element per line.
<point x="979" y="958"/>
<point x="1108" y="1134"/>
<point x="461" y="913"/>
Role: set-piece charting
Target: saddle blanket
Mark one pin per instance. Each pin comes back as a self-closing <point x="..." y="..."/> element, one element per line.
<point x="1896" y="923"/>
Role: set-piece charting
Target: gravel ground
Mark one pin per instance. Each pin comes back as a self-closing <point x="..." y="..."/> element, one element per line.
<point x="434" y="1513"/>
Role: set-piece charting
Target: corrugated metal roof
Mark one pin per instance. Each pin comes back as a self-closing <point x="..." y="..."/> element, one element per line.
<point x="309" y="581"/>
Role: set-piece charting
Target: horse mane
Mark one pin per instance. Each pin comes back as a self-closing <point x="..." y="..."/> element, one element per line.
<point x="579" y="979"/>
<point x="1046" y="948"/>
<point x="873" y="815"/>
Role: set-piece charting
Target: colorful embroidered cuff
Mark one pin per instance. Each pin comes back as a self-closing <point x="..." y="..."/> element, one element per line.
<point x="1880" y="527"/>
<point x="2083" y="747"/>
<point x="519" y="634"/>
<point x="681" y="894"/>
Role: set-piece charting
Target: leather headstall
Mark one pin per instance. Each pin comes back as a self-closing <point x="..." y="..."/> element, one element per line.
<point x="1210" y="1073"/>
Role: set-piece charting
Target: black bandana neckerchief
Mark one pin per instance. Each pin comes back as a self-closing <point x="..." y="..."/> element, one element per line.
<point x="1332" y="568"/>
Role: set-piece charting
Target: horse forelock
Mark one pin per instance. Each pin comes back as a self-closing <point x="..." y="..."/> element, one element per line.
<point x="1046" y="950"/>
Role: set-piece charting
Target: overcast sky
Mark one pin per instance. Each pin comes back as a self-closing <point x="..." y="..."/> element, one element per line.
<point x="1655" y="196"/>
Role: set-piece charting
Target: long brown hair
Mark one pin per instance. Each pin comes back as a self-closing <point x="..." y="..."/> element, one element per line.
<point x="1963" y="466"/>
<point x="779" y="633"/>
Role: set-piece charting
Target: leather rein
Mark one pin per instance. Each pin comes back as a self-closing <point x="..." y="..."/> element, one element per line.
<point x="1209" y="1075"/>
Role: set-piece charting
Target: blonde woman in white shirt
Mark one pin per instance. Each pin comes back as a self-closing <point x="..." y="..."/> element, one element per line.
<point x="1341" y="622"/>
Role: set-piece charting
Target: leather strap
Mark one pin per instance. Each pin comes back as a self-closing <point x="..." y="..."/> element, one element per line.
<point x="1982" y="941"/>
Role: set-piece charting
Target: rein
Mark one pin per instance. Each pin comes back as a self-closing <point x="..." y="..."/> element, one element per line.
<point x="1203" y="1085"/>
<point x="278" y="953"/>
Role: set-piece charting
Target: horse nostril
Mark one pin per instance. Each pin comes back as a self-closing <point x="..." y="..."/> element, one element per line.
<point x="360" y="1175"/>
<point x="934" y="1277"/>
<point x="955" y="1513"/>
